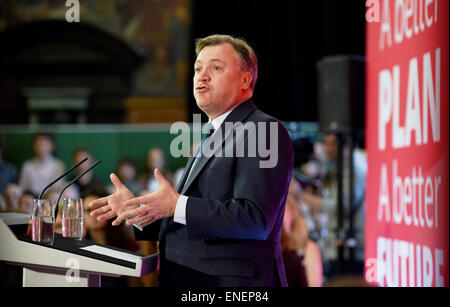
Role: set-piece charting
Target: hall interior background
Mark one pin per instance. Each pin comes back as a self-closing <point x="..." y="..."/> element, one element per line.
<point x="116" y="81"/>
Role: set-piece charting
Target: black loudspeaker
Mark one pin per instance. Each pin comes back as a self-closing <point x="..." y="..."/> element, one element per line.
<point x="341" y="86"/>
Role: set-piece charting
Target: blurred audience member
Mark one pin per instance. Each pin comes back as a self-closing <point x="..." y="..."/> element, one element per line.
<point x="308" y="176"/>
<point x="53" y="193"/>
<point x="43" y="168"/>
<point x="301" y="255"/>
<point x="308" y="213"/>
<point x="70" y="192"/>
<point x="12" y="195"/>
<point x="155" y="159"/>
<point x="10" y="275"/>
<point x="126" y="171"/>
<point x="293" y="237"/>
<point x="328" y="203"/>
<point x="88" y="183"/>
<point x="8" y="173"/>
<point x="25" y="204"/>
<point x="2" y="204"/>
<point x="104" y="233"/>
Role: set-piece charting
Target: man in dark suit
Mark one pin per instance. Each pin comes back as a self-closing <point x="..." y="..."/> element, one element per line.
<point x="222" y="225"/>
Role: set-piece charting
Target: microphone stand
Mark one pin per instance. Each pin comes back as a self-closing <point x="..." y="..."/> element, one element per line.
<point x="70" y="183"/>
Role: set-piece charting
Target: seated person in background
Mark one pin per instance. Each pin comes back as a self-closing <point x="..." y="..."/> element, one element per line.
<point x="293" y="237"/>
<point x="26" y="200"/>
<point x="106" y="234"/>
<point x="53" y="194"/>
<point x="126" y="170"/>
<point x="2" y="204"/>
<point x="301" y="255"/>
<point x="8" y="173"/>
<point x="155" y="159"/>
<point x="308" y="176"/>
<point x="12" y="195"/>
<point x="328" y="203"/>
<point x="87" y="184"/>
<point x="43" y="168"/>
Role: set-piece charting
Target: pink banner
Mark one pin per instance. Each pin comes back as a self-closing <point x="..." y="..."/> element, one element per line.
<point x="407" y="130"/>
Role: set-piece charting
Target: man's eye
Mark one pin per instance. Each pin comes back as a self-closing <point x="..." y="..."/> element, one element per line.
<point x="216" y="68"/>
<point x="197" y="69"/>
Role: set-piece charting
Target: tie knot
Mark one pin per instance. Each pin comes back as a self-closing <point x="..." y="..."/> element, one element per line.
<point x="207" y="130"/>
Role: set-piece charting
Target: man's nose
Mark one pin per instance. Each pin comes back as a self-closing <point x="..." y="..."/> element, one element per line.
<point x="203" y="76"/>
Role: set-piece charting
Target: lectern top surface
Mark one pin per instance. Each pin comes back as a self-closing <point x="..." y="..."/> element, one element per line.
<point x="78" y="247"/>
<point x="15" y="218"/>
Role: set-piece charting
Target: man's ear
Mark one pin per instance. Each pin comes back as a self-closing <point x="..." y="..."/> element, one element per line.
<point x="247" y="79"/>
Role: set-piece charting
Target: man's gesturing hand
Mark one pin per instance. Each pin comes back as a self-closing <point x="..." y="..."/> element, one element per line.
<point x="112" y="205"/>
<point x="155" y="206"/>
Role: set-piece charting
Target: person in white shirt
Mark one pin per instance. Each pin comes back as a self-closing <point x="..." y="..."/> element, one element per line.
<point x="43" y="168"/>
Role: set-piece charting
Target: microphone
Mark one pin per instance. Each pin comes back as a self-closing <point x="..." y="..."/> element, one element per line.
<point x="70" y="183"/>
<point x="59" y="178"/>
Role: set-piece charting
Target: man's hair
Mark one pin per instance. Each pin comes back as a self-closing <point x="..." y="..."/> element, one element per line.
<point x="29" y="192"/>
<point x="127" y="160"/>
<point x="81" y="149"/>
<point x="47" y="136"/>
<point x="247" y="56"/>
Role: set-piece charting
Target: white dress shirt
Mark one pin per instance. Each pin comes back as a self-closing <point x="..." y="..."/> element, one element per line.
<point x="37" y="173"/>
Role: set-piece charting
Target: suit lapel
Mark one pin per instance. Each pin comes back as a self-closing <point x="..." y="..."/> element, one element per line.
<point x="185" y="173"/>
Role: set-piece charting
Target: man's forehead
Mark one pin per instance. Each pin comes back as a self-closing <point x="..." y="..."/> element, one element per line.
<point x="209" y="60"/>
<point x="223" y="52"/>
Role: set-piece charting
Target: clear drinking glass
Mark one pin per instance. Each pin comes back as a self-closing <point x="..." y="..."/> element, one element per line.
<point x="43" y="221"/>
<point x="72" y="218"/>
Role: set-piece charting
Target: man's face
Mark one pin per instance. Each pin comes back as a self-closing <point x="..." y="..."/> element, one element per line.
<point x="155" y="159"/>
<point x="43" y="146"/>
<point x="80" y="155"/>
<point x="331" y="146"/>
<point x="26" y="203"/>
<point x="218" y="79"/>
<point x="127" y="171"/>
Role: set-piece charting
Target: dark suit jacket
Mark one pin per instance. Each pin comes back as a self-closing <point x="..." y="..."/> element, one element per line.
<point x="234" y="212"/>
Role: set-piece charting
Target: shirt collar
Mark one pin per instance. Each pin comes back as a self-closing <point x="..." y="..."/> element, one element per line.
<point x="220" y="119"/>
